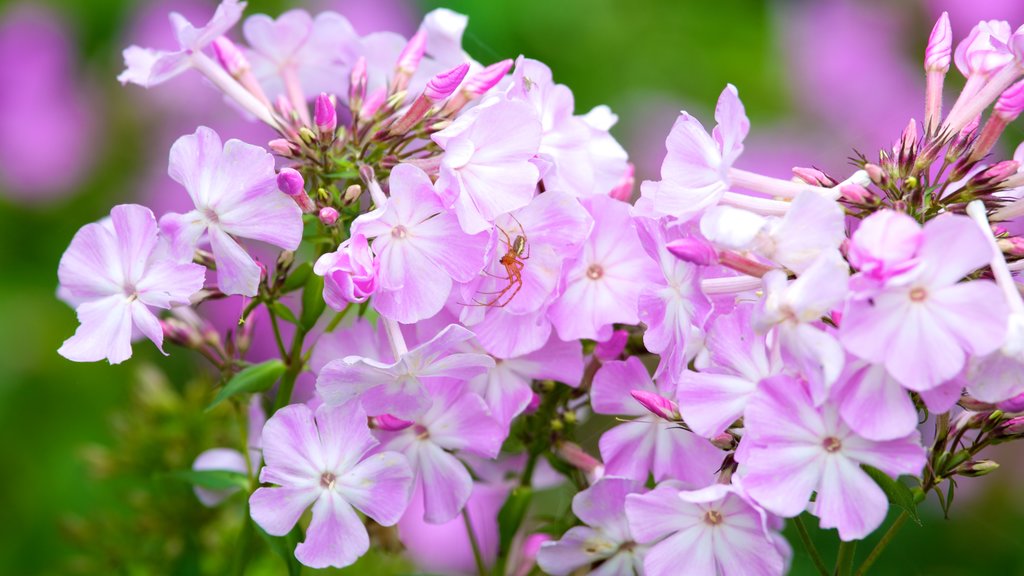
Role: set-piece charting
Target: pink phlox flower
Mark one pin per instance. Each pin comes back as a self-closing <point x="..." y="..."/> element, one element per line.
<point x="873" y="403"/>
<point x="647" y="444"/>
<point x="604" y="282"/>
<point x="115" y="274"/>
<point x="672" y="306"/>
<point x="486" y="170"/>
<point x="398" y="388"/>
<point x="923" y="327"/>
<point x="455" y="421"/>
<point x="735" y="359"/>
<point x="350" y="273"/>
<point x="358" y="337"/>
<point x="147" y="67"/>
<point x="604" y="537"/>
<point x="885" y="245"/>
<point x="323" y="460"/>
<point x="234" y="190"/>
<point x="795" y="448"/>
<point x="420" y="246"/>
<point x="584" y="158"/>
<point x="695" y="172"/>
<point x="985" y="50"/>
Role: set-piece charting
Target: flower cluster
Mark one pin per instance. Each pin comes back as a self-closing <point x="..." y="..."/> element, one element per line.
<point x="491" y="286"/>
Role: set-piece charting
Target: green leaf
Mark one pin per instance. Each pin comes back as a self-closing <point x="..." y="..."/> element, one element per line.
<point x="511" y="515"/>
<point x="284" y="546"/>
<point x="297" y="279"/>
<point x="255" y="378"/>
<point x="213" y="479"/>
<point x="898" y="493"/>
<point x="283" y="312"/>
<point x="312" y="302"/>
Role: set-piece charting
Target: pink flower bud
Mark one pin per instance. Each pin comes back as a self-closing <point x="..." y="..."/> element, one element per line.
<point x="357" y="81"/>
<point x="412" y="53"/>
<point x="351" y="274"/>
<point x="373" y="102"/>
<point x="389" y="423"/>
<point x="282" y="147"/>
<point x="623" y="191"/>
<point x="478" y="84"/>
<point x="1015" y="404"/>
<point x="658" y="405"/>
<point x="325" y="116"/>
<point x="976" y="468"/>
<point x="812" y="176"/>
<point x="291" y="183"/>
<point x="694" y="250"/>
<point x="230" y="57"/>
<point x="574" y="455"/>
<point x="1011" y="103"/>
<point x="528" y="555"/>
<point x="1014" y="245"/>
<point x="328" y="215"/>
<point x="875" y="173"/>
<point x="998" y="172"/>
<point x="724" y="441"/>
<point x="940" y="46"/>
<point x="909" y="137"/>
<point x="612" y="348"/>
<point x="445" y="83"/>
<point x="855" y="193"/>
<point x="975" y="405"/>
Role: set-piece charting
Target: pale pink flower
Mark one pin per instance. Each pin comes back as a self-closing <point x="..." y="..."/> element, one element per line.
<point x="322" y="460"/>
<point x="985" y="50"/>
<point x="234" y="189"/>
<point x="873" y="403"/>
<point x="115" y="274"/>
<point x="350" y="273"/>
<point x="885" y="245"/>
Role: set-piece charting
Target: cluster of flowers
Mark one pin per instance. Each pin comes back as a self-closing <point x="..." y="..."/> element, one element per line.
<point x="495" y="287"/>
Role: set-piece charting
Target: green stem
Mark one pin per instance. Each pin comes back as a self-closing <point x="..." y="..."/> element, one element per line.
<point x="295" y="363"/>
<point x="277" y="332"/>
<point x="844" y="560"/>
<point x="877" y="550"/>
<point x="809" y="546"/>
<point x="478" y="557"/>
<point x="245" y="544"/>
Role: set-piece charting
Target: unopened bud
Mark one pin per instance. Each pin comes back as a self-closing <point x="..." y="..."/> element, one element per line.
<point x="724" y="441"/>
<point x="325" y="116"/>
<point x="612" y="348"/>
<point x="656" y="404"/>
<point x="291" y="183"/>
<point x="230" y="57"/>
<point x="976" y="468"/>
<point x="1011" y="103"/>
<point x="693" y="250"/>
<point x="812" y="176"/>
<point x="366" y="174"/>
<point x="352" y="193"/>
<point x="974" y="405"/>
<point x="328" y="215"/>
<point x="623" y="191"/>
<point x="389" y="423"/>
<point x="855" y="193"/>
<point x="357" y="83"/>
<point x="876" y="173"/>
<point x="909" y="138"/>
<point x="1011" y="428"/>
<point x="181" y="333"/>
<point x="307" y="135"/>
<point x="412" y="53"/>
<point x="396" y="99"/>
<point x="1015" y="404"/>
<point x="478" y="84"/>
<point x="373" y="103"/>
<point x="575" y="456"/>
<point x="1014" y="246"/>
<point x="283" y="148"/>
<point x="940" y="46"/>
<point x="444" y="84"/>
<point x="998" y="172"/>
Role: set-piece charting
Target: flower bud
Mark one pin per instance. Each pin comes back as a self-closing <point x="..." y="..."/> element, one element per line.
<point x="181" y="333"/>
<point x="876" y="173"/>
<point x="328" y="215"/>
<point x="656" y="404"/>
<point x="444" y="84"/>
<point x="373" y="103"/>
<point x="855" y="193"/>
<point x="389" y="423"/>
<point x="230" y="57"/>
<point x="478" y="84"/>
<point x="357" y="83"/>
<point x="291" y="183"/>
<point x="724" y="441"/>
<point x="612" y="348"/>
<point x="998" y="172"/>
<point x="574" y="455"/>
<point x="694" y="250"/>
<point x="1013" y="427"/>
<point x="325" y="116"/>
<point x="1011" y="102"/>
<point x="974" y="405"/>
<point x="283" y="148"/>
<point x="1013" y="405"/>
<point x="976" y="468"/>
<point x="411" y="55"/>
<point x="623" y="191"/>
<point x="940" y="46"/>
<point x="352" y="194"/>
<point x="533" y="405"/>
<point x="812" y="176"/>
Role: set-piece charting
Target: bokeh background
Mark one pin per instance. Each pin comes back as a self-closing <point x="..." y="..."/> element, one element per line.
<point x="85" y="449"/>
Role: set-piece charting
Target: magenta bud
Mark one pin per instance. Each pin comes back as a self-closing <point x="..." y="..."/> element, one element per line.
<point x="282" y="147"/>
<point x="326" y="116"/>
<point x="357" y="81"/>
<point x="291" y="183"/>
<point x="811" y="176"/>
<point x="875" y="173"/>
<point x="412" y="53"/>
<point x="1000" y="171"/>
<point x="1014" y="245"/>
<point x="445" y="83"/>
<point x="693" y="250"/>
<point x="1015" y="404"/>
<point x="658" y="405"/>
<point x="855" y="192"/>
<point x="940" y="46"/>
<point x="724" y="441"/>
<point x="478" y="84"/>
<point x="230" y="57"/>
<point x="909" y="138"/>
<point x="612" y="348"/>
<point x="1011" y="102"/>
<point x="575" y="455"/>
<point x="328" y="215"/>
<point x="389" y="423"/>
<point x="623" y="191"/>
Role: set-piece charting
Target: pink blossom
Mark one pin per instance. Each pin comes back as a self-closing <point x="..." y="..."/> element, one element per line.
<point x="695" y="172"/>
<point x="455" y="421"/>
<point x="647" y="444"/>
<point x="486" y="169"/>
<point x="604" y="282"/>
<point x="612" y="348"/>
<point x="796" y="449"/>
<point x="220" y="459"/>
<point x="604" y="537"/>
<point x="234" y="190"/>
<point x="923" y="327"/>
<point x="873" y="403"/>
<point x="885" y="245"/>
<point x="985" y="50"/>
<point x="322" y="460"/>
<point x="350" y="273"/>
<point x="398" y="388"/>
<point x="115" y="274"/>
<point x="585" y="159"/>
<point x="420" y="246"/>
<point x="714" y="530"/>
<point x="737" y="359"/>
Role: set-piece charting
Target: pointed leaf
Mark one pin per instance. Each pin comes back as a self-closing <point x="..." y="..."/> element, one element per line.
<point x="256" y="378"/>
<point x="898" y="493"/>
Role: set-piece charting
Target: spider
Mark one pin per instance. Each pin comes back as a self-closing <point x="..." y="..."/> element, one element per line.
<point x="517" y="251"/>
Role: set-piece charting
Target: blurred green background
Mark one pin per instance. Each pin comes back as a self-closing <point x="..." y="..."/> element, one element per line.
<point x="83" y="448"/>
